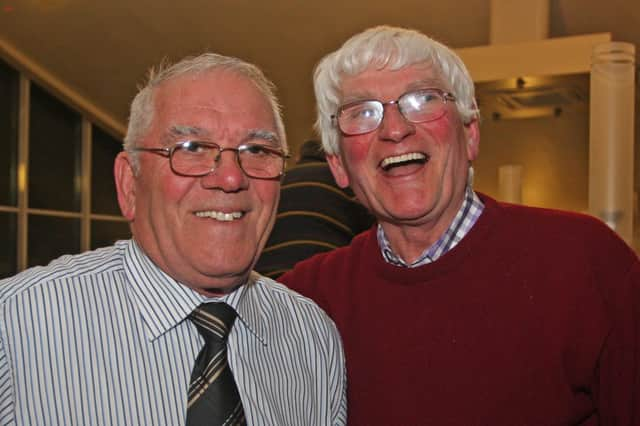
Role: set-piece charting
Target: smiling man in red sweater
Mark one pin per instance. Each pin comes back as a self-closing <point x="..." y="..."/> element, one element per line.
<point x="457" y="309"/>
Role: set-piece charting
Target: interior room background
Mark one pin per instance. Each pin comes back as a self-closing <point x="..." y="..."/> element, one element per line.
<point x="69" y="69"/>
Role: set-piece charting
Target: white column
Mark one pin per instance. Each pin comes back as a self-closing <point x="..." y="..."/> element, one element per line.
<point x="611" y="136"/>
<point x="510" y="183"/>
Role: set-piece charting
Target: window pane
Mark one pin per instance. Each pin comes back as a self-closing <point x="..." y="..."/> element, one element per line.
<point x="103" y="189"/>
<point x="9" y="81"/>
<point x="8" y="261"/>
<point x="54" y="153"/>
<point x="51" y="237"/>
<point x="105" y="233"/>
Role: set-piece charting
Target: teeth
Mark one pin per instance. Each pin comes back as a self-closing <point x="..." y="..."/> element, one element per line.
<point x="402" y="158"/>
<point x="224" y="217"/>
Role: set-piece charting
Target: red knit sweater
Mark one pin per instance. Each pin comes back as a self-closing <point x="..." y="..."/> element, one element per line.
<point x="532" y="319"/>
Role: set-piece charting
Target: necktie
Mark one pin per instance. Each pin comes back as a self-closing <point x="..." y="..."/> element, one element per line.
<point x="213" y="397"/>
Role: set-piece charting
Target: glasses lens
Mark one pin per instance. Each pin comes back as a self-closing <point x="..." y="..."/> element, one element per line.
<point x="260" y="161"/>
<point x="422" y="105"/>
<point x="193" y="158"/>
<point x="360" y="117"/>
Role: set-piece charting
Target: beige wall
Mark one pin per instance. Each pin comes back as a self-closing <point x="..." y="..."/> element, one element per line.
<point x="554" y="153"/>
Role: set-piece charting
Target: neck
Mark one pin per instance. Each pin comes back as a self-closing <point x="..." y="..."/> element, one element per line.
<point x="409" y="241"/>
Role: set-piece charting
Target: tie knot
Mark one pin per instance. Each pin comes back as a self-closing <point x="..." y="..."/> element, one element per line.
<point x="214" y="319"/>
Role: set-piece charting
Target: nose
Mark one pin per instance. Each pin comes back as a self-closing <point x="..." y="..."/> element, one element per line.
<point x="227" y="174"/>
<point x="394" y="127"/>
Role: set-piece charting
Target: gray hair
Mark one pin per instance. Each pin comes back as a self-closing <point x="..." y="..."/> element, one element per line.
<point x="143" y="107"/>
<point x="385" y="47"/>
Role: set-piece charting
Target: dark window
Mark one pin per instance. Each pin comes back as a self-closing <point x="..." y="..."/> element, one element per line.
<point x="8" y="263"/>
<point x="9" y="84"/>
<point x="51" y="237"/>
<point x="54" y="153"/>
<point x="103" y="189"/>
<point x="105" y="233"/>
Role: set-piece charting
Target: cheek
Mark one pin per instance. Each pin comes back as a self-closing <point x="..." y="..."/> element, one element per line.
<point x="169" y="190"/>
<point x="441" y="131"/>
<point x="356" y="149"/>
<point x="268" y="194"/>
<point x="158" y="184"/>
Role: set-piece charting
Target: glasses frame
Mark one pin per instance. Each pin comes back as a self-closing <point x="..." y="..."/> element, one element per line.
<point x="167" y="152"/>
<point x="445" y="96"/>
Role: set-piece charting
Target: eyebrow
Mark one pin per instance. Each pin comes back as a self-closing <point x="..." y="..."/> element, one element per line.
<point x="266" y="135"/>
<point x="355" y="97"/>
<point x="427" y="83"/>
<point x="181" y="130"/>
<point x="178" y="131"/>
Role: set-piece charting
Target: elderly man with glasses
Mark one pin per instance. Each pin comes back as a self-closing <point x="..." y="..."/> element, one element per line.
<point x="457" y="309"/>
<point x="173" y="327"/>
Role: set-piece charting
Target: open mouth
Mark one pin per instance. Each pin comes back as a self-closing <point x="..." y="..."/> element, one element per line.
<point x="403" y="160"/>
<point x="221" y="216"/>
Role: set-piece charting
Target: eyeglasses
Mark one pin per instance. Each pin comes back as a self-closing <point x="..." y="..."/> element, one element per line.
<point x="196" y="158"/>
<point x="420" y="106"/>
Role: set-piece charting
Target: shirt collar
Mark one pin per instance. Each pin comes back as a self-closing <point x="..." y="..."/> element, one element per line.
<point x="163" y="302"/>
<point x="462" y="223"/>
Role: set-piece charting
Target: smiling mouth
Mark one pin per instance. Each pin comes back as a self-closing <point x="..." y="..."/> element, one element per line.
<point x="403" y="160"/>
<point x="221" y="216"/>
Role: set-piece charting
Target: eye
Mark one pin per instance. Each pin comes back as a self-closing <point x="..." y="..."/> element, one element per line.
<point x="420" y="101"/>
<point x="362" y="111"/>
<point x="194" y="147"/>
<point x="423" y="97"/>
<point x="256" y="150"/>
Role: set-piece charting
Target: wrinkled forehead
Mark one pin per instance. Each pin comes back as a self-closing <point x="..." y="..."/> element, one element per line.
<point x="219" y="90"/>
<point x="216" y="104"/>
<point x="181" y="133"/>
<point x="374" y="80"/>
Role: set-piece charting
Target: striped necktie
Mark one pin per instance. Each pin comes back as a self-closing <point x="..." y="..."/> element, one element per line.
<point x="213" y="397"/>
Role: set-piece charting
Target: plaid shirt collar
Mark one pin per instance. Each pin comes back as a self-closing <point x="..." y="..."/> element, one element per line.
<point x="460" y="226"/>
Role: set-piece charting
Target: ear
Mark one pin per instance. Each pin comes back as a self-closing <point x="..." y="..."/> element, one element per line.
<point x="338" y="170"/>
<point x="125" y="185"/>
<point x="472" y="134"/>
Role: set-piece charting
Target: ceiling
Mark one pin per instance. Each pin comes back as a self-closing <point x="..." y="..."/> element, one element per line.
<point x="102" y="49"/>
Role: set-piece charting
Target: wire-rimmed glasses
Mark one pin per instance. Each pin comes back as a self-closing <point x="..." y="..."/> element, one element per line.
<point x="199" y="158"/>
<point x="417" y="106"/>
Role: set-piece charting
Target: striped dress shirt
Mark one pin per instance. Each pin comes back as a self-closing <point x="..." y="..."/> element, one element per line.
<point x="102" y="338"/>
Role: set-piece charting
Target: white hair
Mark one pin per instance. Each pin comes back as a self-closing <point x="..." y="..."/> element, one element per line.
<point x="391" y="48"/>
<point x="143" y="107"/>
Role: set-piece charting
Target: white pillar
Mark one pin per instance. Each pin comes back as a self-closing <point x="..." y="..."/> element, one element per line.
<point x="510" y="183"/>
<point x="611" y="137"/>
